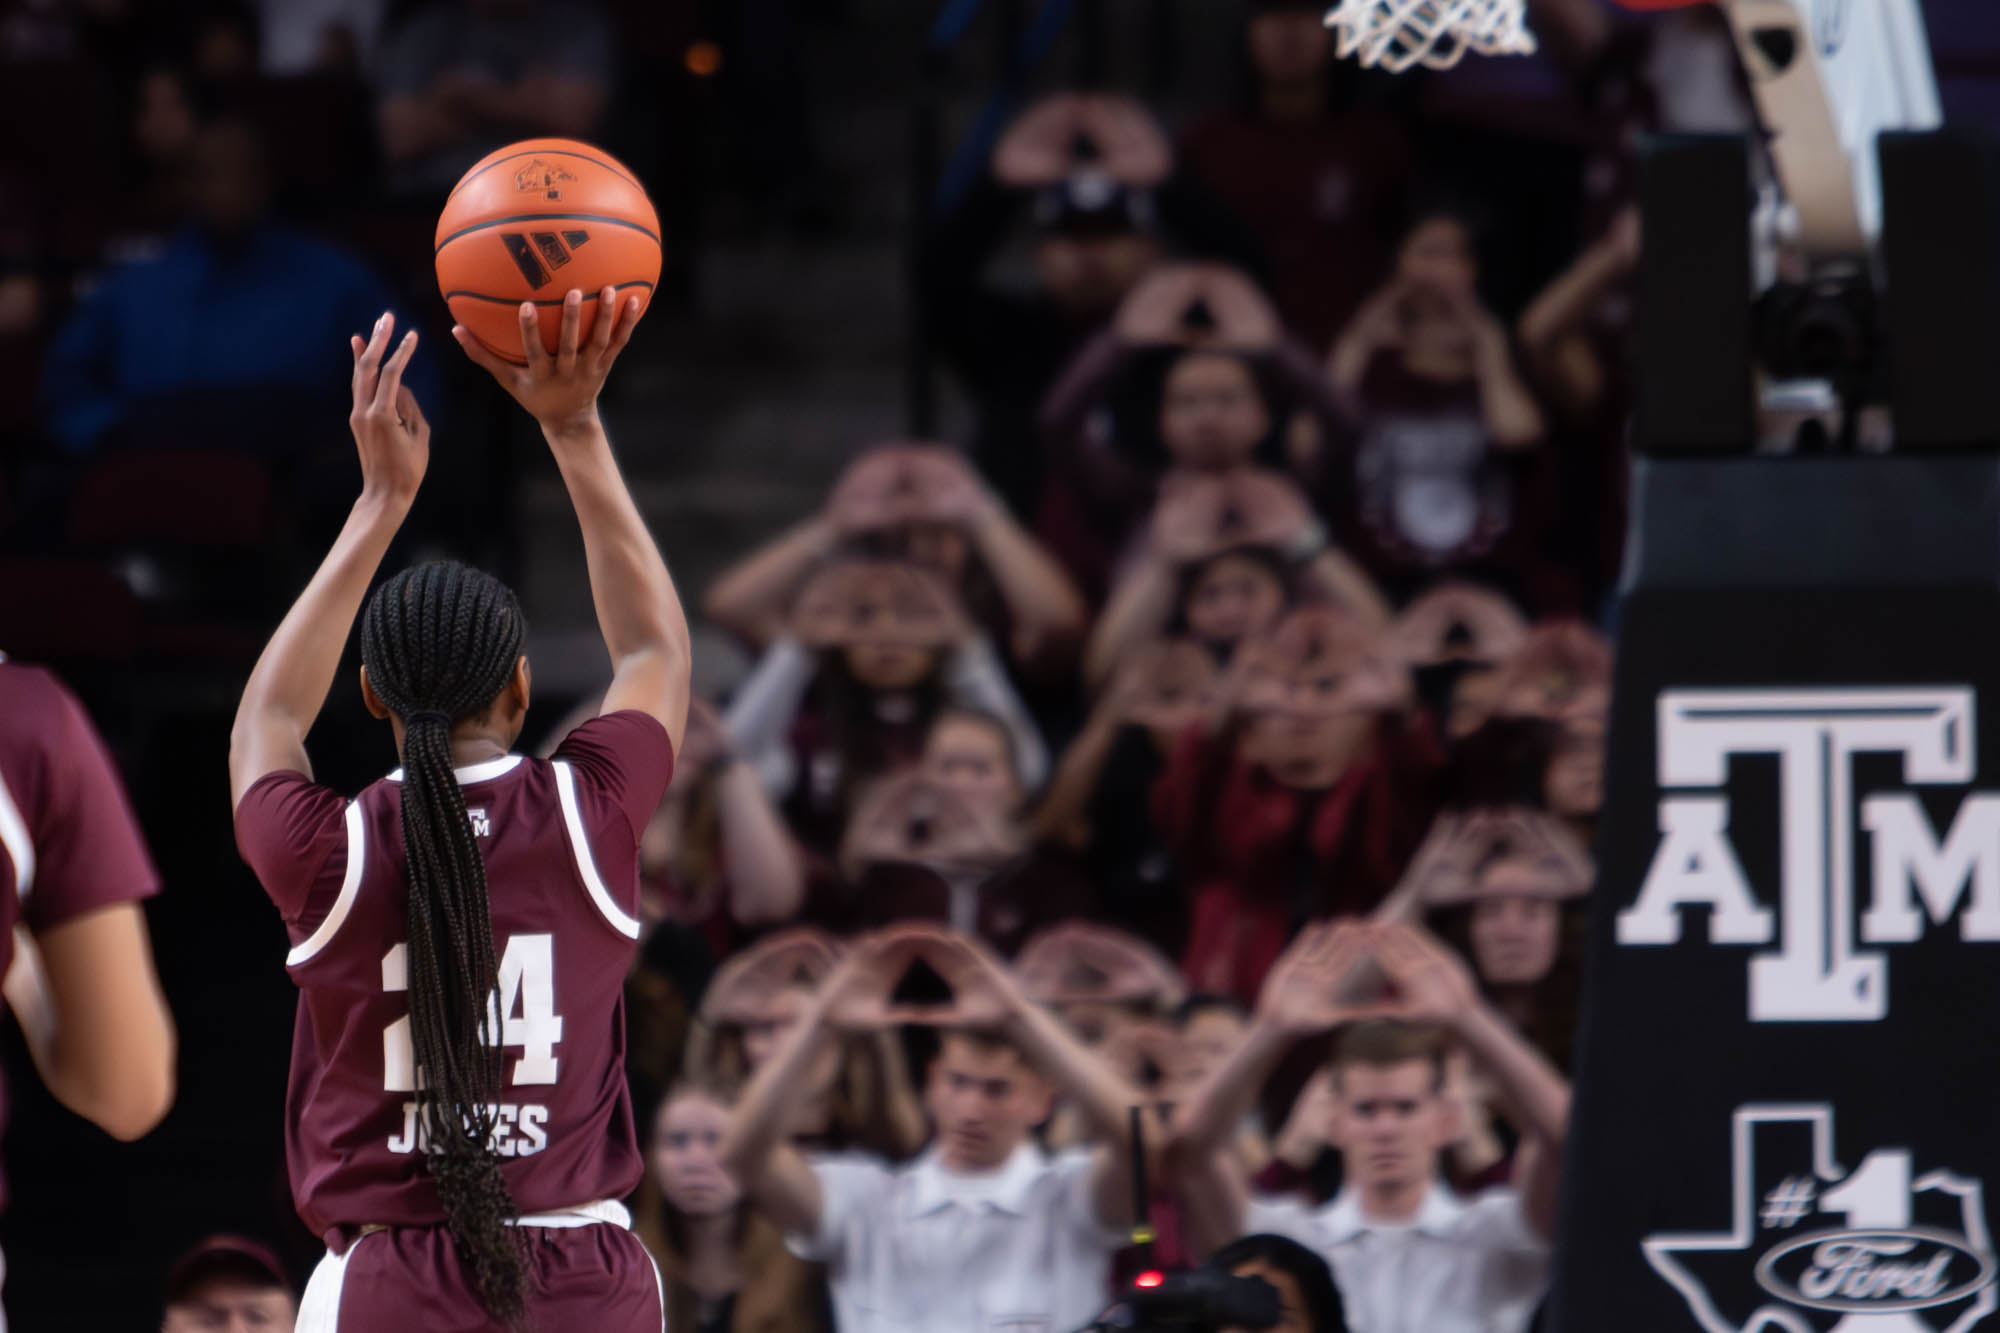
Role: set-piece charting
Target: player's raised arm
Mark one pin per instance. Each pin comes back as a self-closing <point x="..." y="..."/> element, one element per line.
<point x="637" y="608"/>
<point x="288" y="686"/>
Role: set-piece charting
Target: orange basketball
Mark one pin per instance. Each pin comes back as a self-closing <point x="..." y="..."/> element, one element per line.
<point x="533" y="220"/>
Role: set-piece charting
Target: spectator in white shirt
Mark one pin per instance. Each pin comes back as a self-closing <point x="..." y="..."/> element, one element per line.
<point x="1408" y="1254"/>
<point x="983" y="1233"/>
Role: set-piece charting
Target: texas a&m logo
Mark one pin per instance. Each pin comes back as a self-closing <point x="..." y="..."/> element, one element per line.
<point x="1818" y="971"/>
<point x="1812" y="1246"/>
<point x="541" y="177"/>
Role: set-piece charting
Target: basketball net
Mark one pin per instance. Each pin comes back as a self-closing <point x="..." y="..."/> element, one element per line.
<point x="1396" y="34"/>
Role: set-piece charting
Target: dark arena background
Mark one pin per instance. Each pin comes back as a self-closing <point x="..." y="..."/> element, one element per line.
<point x="1145" y="485"/>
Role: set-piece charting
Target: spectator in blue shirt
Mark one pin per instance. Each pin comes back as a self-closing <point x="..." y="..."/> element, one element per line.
<point x="235" y="306"/>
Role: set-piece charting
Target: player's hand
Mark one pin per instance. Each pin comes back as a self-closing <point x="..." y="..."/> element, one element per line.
<point x="389" y="428"/>
<point x="561" y="391"/>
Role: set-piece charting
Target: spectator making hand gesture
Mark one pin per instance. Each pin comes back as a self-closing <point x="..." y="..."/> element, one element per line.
<point x="983" y="1229"/>
<point x="1406" y="1252"/>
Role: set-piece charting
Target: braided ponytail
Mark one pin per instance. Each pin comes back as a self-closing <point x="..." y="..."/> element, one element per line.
<point x="439" y="642"/>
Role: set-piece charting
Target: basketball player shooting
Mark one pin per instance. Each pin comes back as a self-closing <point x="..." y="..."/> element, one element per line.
<point x="457" y="1121"/>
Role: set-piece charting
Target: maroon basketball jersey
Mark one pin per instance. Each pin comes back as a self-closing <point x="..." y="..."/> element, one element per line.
<point x="68" y="842"/>
<point x="560" y="841"/>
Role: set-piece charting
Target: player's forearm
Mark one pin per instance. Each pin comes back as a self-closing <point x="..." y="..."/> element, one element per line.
<point x="638" y="610"/>
<point x="98" y="1027"/>
<point x="1205" y="1123"/>
<point x="289" y="684"/>
<point x="1534" y="1094"/>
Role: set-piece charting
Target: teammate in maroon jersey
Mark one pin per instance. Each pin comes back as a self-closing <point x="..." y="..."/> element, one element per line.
<point x="73" y="946"/>
<point x="458" y="1126"/>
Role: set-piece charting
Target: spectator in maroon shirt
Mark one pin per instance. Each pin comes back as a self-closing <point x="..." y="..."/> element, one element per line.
<point x="1442" y="475"/>
<point x="73" y="872"/>
<point x="1304" y="797"/>
<point x="1317" y="178"/>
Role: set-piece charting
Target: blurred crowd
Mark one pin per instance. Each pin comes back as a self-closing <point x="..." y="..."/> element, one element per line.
<point x="1246" y="653"/>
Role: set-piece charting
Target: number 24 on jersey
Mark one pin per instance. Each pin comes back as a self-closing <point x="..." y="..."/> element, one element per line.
<point x="523" y="1013"/>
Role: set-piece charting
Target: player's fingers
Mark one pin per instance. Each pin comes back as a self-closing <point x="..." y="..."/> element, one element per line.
<point x="607" y="318"/>
<point x="410" y="412"/>
<point x="477" y="352"/>
<point x="623" y="333"/>
<point x="370" y="360"/>
<point x="531" y="338"/>
<point x="566" y="338"/>
<point x="390" y="382"/>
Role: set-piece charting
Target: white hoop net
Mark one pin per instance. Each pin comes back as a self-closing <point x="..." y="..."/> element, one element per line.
<point x="1397" y="34"/>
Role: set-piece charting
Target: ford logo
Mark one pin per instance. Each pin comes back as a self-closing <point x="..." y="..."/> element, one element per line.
<point x="1875" y="1272"/>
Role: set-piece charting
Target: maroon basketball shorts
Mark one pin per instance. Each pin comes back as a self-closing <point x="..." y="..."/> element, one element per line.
<point x="595" y="1277"/>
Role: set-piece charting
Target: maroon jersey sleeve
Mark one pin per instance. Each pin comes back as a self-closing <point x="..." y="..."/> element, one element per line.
<point x="87" y="849"/>
<point x="622" y="761"/>
<point x="291" y="832"/>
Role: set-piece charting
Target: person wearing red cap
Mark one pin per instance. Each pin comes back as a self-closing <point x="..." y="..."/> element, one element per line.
<point x="228" y="1284"/>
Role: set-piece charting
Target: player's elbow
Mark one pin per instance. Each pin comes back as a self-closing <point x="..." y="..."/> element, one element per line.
<point x="139" y="1110"/>
<point x="127" y="1102"/>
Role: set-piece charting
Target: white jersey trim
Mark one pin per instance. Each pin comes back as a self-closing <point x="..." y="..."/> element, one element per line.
<point x="484" y="771"/>
<point x="350" y="888"/>
<point x="591" y="1214"/>
<point x="319" y="1308"/>
<point x="19" y="846"/>
<point x="579" y="845"/>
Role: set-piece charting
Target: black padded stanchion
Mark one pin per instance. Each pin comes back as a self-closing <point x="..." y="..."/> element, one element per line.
<point x="1787" y="1093"/>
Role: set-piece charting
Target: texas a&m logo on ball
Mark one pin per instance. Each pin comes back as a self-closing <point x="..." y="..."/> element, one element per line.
<point x="1814" y="960"/>
<point x="1811" y="1246"/>
<point x="545" y="178"/>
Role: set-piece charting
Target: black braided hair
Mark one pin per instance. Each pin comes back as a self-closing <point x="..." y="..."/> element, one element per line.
<point x="439" y="642"/>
